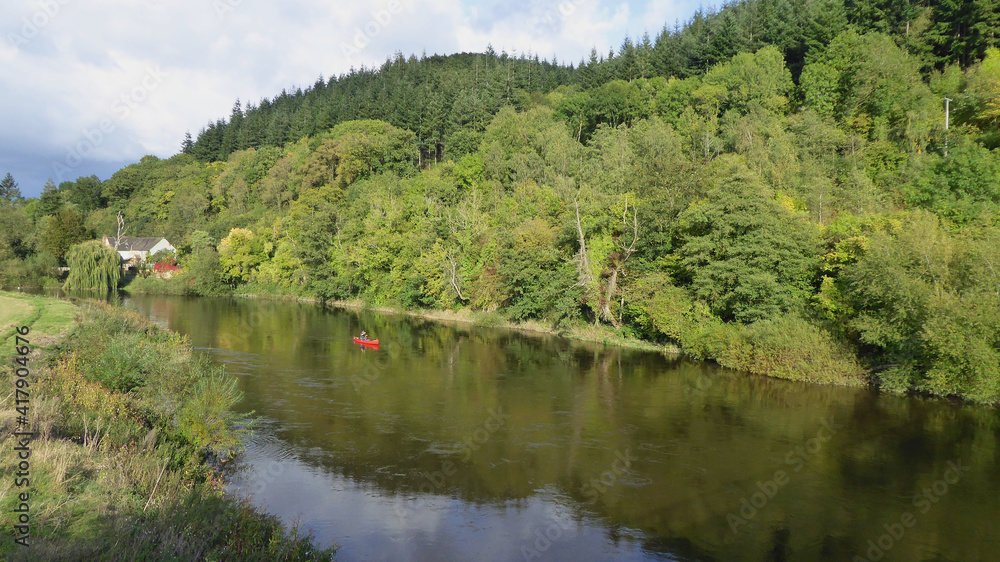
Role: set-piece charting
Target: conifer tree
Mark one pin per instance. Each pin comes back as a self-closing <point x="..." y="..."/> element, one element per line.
<point x="187" y="146"/>
<point x="9" y="192"/>
<point x="50" y="201"/>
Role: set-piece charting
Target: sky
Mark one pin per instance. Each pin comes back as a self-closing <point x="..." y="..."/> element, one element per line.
<point x="90" y="86"/>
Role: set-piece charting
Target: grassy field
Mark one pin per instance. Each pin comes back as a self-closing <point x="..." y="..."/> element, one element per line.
<point x="48" y="319"/>
<point x="13" y="310"/>
<point x="128" y="426"/>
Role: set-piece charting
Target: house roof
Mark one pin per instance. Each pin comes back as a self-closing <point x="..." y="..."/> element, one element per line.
<point x="128" y="243"/>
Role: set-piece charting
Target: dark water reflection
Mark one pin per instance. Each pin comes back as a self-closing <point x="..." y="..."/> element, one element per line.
<point x="462" y="443"/>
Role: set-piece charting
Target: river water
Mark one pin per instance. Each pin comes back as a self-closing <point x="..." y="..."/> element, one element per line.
<point x="453" y="442"/>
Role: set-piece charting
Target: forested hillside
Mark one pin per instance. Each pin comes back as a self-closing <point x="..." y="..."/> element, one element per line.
<point x="771" y="186"/>
<point x="444" y="100"/>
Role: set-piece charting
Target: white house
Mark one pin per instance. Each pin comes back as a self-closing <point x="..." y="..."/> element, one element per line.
<point x="138" y="249"/>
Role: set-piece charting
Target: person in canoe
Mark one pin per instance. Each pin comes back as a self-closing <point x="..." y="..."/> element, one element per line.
<point x="366" y="341"/>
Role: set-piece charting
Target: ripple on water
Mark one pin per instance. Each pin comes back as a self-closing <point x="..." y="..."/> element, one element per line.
<point x="271" y="447"/>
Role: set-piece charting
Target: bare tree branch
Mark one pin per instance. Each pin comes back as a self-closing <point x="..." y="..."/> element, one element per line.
<point x="619" y="269"/>
<point x="121" y="230"/>
<point x="454" y="277"/>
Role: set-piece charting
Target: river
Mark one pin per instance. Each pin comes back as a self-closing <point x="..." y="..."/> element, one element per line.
<point x="454" y="442"/>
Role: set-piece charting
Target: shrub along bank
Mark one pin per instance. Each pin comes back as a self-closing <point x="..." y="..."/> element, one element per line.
<point x="128" y="426"/>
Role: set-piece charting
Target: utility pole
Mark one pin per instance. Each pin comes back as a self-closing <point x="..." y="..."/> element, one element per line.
<point x="947" y="107"/>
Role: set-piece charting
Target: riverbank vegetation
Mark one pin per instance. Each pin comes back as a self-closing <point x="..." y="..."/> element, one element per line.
<point x="128" y="425"/>
<point x="771" y="187"/>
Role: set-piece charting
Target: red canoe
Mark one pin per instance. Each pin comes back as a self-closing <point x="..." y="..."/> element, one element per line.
<point x="369" y="343"/>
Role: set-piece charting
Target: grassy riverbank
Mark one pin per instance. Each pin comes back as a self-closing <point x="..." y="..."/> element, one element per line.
<point x="129" y="425"/>
<point x="579" y="331"/>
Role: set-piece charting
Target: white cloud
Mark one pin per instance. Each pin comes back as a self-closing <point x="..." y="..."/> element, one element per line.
<point x="65" y="68"/>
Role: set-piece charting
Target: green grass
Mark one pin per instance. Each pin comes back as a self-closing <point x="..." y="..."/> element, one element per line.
<point x="13" y="309"/>
<point x="48" y="320"/>
<point x="126" y="417"/>
<point x="56" y="318"/>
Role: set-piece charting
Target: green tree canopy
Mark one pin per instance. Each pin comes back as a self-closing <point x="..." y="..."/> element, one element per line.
<point x="64" y="230"/>
<point x="85" y="193"/>
<point x="927" y="299"/>
<point x="239" y="255"/>
<point x="751" y="80"/>
<point x="744" y="254"/>
<point x="870" y="84"/>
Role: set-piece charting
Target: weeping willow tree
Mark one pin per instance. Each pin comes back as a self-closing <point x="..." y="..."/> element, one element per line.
<point x="92" y="265"/>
